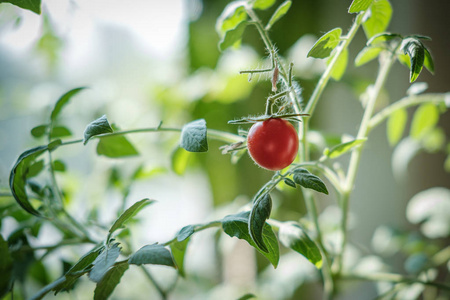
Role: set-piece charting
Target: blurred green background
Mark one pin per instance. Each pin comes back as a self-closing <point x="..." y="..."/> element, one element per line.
<point x="153" y="61"/>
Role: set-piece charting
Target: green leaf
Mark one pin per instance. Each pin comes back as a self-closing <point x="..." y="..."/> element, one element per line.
<point x="340" y="66"/>
<point x="128" y="214"/>
<point x="263" y="4"/>
<point x="424" y="120"/>
<point x="367" y="54"/>
<point x="293" y="236"/>
<point x="77" y="270"/>
<point x="279" y="13"/>
<point x="109" y="282"/>
<point x="20" y="173"/>
<point x="115" y="146"/>
<point x="233" y="37"/>
<point x="343" y="148"/>
<point x="103" y="262"/>
<point x="233" y="14"/>
<point x="416" y="52"/>
<point x="289" y="182"/>
<point x="434" y="140"/>
<point x="152" y="254"/>
<point x="258" y="215"/>
<point x="380" y="39"/>
<point x="307" y="180"/>
<point x="247" y="296"/>
<point x="359" y="5"/>
<point x="193" y="136"/>
<point x="96" y="127"/>
<point x="60" y="131"/>
<point x="35" y="168"/>
<point x="62" y="101"/>
<point x="180" y="160"/>
<point x="39" y="131"/>
<point x="326" y="44"/>
<point x="396" y="125"/>
<point x="6" y="268"/>
<point x="185" y="233"/>
<point x="379" y="19"/>
<point x="59" y="166"/>
<point x="33" y="5"/>
<point x="237" y="226"/>
<point x="178" y="253"/>
<point x="54" y="144"/>
<point x="428" y="62"/>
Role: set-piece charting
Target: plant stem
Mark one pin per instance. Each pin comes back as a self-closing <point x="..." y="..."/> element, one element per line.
<point x="385" y="66"/>
<point x="161" y="292"/>
<point x="405" y="103"/>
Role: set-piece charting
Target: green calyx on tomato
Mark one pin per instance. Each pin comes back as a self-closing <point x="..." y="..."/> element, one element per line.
<point x="273" y="143"/>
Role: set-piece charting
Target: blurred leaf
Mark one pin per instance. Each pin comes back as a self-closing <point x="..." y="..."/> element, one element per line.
<point x="428" y="61"/>
<point x="416" y="52"/>
<point x="307" y="180"/>
<point x="103" y="262"/>
<point x="33" y="5"/>
<point x="233" y="37"/>
<point x="185" y="233"/>
<point x="6" y="268"/>
<point x="343" y="148"/>
<point x="367" y="54"/>
<point x="54" y="144"/>
<point x="424" y="120"/>
<point x="96" y="127"/>
<point x="340" y="66"/>
<point x="417" y="88"/>
<point x="447" y="164"/>
<point x="279" y="13"/>
<point x="263" y="4"/>
<point x="380" y="39"/>
<point x="39" y="131"/>
<point x="59" y="166"/>
<point x="396" y="126"/>
<point x="359" y="5"/>
<point x="415" y="263"/>
<point x="109" y="282"/>
<point x="246" y="297"/>
<point x="379" y="19"/>
<point x="289" y="182"/>
<point x="434" y="140"/>
<point x="178" y="253"/>
<point x="293" y="236"/>
<point x="237" y="226"/>
<point x="432" y="208"/>
<point x="39" y="273"/>
<point x="258" y="215"/>
<point x="152" y="254"/>
<point x="193" y="136"/>
<point x="129" y="213"/>
<point x="326" y="44"/>
<point x="180" y="159"/>
<point x="19" y="175"/>
<point x="62" y="101"/>
<point x="403" y="154"/>
<point x="60" y="131"/>
<point x="233" y="14"/>
<point x="115" y="146"/>
<point x="35" y="168"/>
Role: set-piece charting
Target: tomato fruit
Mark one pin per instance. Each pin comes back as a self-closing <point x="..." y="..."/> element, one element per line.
<point x="272" y="144"/>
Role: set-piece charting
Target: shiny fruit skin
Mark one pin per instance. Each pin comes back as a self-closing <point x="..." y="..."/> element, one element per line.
<point x="273" y="144"/>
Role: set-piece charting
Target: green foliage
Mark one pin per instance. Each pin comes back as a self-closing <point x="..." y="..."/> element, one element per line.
<point x="416" y="52"/>
<point x="97" y="127"/>
<point x="380" y="14"/>
<point x="258" y="215"/>
<point x="231" y="17"/>
<point x="263" y="4"/>
<point x="32" y="5"/>
<point x="396" y="126"/>
<point x="237" y="226"/>
<point x="103" y="262"/>
<point x="128" y="214"/>
<point x="293" y="236"/>
<point x="108" y="283"/>
<point x="115" y="146"/>
<point x="178" y="253"/>
<point x="340" y="66"/>
<point x="307" y="180"/>
<point x="359" y="5"/>
<point x="6" y="267"/>
<point x="180" y="160"/>
<point x="343" y="148"/>
<point x="279" y="13"/>
<point x="193" y="136"/>
<point x="63" y="101"/>
<point x="326" y="44"/>
<point x="366" y="55"/>
<point x="233" y="37"/>
<point x="152" y="254"/>
<point x="424" y="120"/>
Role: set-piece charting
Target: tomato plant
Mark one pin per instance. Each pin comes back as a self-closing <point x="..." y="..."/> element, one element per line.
<point x="273" y="143"/>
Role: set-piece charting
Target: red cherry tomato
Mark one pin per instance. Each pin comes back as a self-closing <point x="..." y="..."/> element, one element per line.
<point x="272" y="144"/>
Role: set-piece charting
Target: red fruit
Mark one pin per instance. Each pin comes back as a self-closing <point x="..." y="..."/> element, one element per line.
<point x="272" y="144"/>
